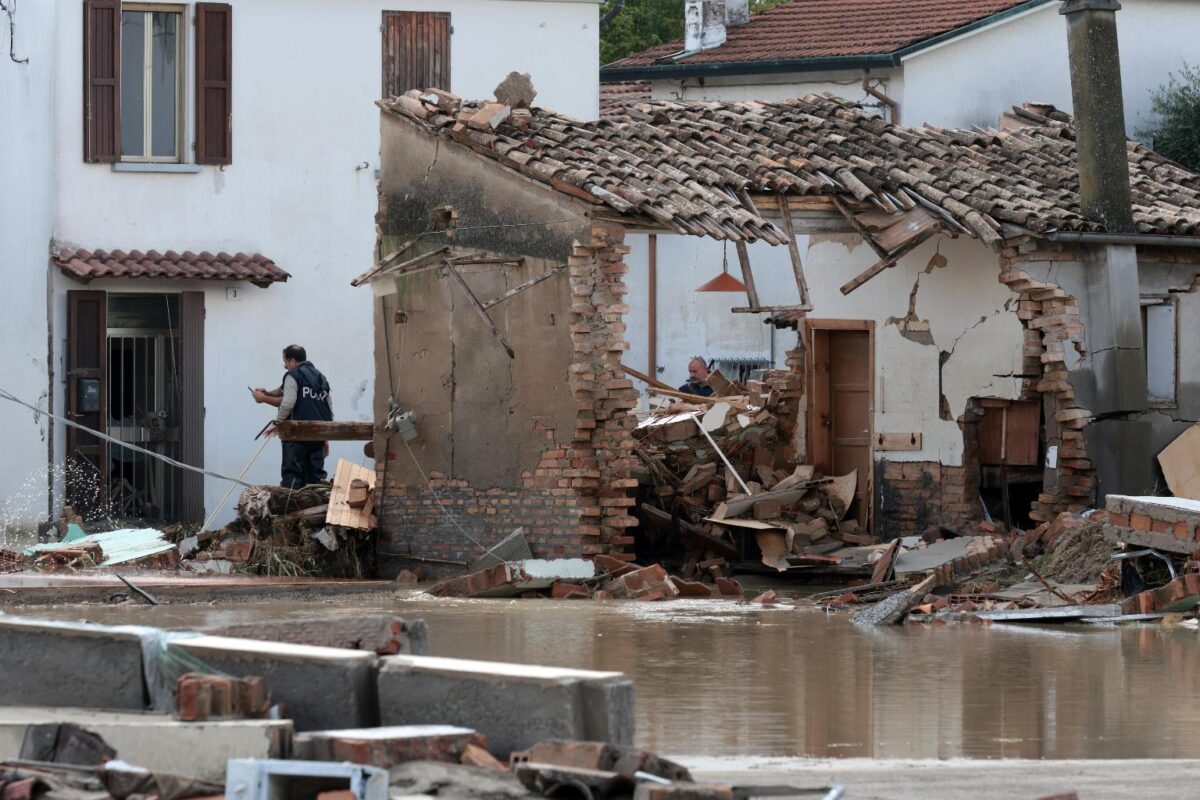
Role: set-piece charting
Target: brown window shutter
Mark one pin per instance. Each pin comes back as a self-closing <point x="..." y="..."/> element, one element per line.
<point x="416" y="51"/>
<point x="214" y="83"/>
<point x="101" y="80"/>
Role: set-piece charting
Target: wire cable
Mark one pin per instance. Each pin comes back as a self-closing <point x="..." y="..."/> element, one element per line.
<point x="5" y="395"/>
<point x="438" y="497"/>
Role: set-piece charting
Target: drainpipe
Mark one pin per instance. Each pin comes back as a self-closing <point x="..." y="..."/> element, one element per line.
<point x="652" y="311"/>
<point x="893" y="106"/>
<point x="1114" y="388"/>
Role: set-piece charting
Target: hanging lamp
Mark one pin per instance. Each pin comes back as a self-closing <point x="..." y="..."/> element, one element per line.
<point x="723" y="282"/>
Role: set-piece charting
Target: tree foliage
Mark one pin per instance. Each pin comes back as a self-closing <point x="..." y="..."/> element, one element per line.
<point x="1176" y="131"/>
<point x="645" y="23"/>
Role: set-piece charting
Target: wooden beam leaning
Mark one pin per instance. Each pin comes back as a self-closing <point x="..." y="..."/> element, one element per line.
<point x="794" y="251"/>
<point x="516" y="290"/>
<point x="479" y="309"/>
<point x="884" y="263"/>
<point x="314" y="430"/>
<point x="743" y="255"/>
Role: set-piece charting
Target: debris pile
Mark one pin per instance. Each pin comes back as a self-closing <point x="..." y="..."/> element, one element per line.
<point x="720" y="479"/>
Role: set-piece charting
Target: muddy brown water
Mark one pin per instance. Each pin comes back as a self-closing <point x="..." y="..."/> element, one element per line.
<point x="716" y="678"/>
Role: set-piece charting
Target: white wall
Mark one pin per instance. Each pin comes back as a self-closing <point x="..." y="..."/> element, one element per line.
<point x="306" y="75"/>
<point x="972" y="80"/>
<point x="26" y="221"/>
<point x="971" y="315"/>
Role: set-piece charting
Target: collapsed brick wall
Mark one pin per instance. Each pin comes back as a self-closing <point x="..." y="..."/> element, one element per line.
<point x="1052" y="322"/>
<point x="914" y="497"/>
<point x="576" y="500"/>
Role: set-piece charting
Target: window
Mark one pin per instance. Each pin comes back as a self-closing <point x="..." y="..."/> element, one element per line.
<point x="151" y="82"/>
<point x="1159" y="331"/>
<point x="134" y="74"/>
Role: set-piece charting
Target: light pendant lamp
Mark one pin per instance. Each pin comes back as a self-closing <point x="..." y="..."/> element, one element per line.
<point x="723" y="282"/>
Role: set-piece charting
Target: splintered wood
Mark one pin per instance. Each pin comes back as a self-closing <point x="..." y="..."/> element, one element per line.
<point x="347" y="492"/>
<point x="726" y="483"/>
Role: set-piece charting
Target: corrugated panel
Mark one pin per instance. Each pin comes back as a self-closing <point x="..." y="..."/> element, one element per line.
<point x="117" y="547"/>
<point x="416" y="51"/>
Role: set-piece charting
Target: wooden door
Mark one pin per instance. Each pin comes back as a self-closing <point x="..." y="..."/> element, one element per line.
<point x="841" y="409"/>
<point x="87" y="401"/>
<point x="191" y="422"/>
<point x="416" y="51"/>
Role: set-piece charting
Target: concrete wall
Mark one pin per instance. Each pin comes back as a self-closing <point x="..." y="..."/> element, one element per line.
<point x="301" y="190"/>
<point x="26" y="221"/>
<point x="971" y="316"/>
<point x="971" y="80"/>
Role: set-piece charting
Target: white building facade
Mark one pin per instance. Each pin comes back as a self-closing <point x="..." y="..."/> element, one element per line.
<point x="244" y="128"/>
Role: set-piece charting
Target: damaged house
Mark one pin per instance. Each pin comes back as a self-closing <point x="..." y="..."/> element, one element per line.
<point x="978" y="312"/>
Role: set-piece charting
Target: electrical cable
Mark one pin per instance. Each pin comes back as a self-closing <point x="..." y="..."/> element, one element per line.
<point x="217" y="508"/>
<point x="5" y="395"/>
<point x="438" y="498"/>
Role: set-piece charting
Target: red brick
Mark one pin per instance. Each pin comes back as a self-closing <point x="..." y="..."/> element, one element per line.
<point x="1140" y="522"/>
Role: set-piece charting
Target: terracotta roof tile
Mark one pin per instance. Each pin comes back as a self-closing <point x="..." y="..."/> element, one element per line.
<point x="804" y="29"/>
<point x="615" y="96"/>
<point x="90" y="264"/>
<point x="692" y="167"/>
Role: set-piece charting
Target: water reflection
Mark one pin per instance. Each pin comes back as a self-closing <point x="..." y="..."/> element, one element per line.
<point x="715" y="678"/>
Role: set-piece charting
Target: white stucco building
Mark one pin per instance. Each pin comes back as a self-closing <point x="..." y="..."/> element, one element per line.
<point x="243" y="128"/>
<point x="952" y="65"/>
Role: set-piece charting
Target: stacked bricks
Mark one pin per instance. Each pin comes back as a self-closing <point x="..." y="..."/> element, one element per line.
<point x="916" y="497"/>
<point x="577" y="500"/>
<point x="386" y="747"/>
<point x="201" y="697"/>
<point x="604" y="395"/>
<point x="981" y="551"/>
<point x="1181" y="594"/>
<point x="1164" y="523"/>
<point x="1052" y="323"/>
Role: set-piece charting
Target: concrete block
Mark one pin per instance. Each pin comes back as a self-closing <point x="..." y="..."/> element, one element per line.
<point x="321" y="688"/>
<point x="77" y="664"/>
<point x="265" y="779"/>
<point x="156" y="741"/>
<point x="383" y="634"/>
<point x="1120" y="449"/>
<point x="514" y="705"/>
<point x="386" y="747"/>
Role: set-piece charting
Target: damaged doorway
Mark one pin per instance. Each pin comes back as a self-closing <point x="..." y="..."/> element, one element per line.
<point x="1010" y="458"/>
<point x="135" y="372"/>
<point x="841" y="403"/>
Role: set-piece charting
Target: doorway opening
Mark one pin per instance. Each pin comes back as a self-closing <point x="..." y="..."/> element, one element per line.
<point x="144" y="402"/>
<point x="1010" y="456"/>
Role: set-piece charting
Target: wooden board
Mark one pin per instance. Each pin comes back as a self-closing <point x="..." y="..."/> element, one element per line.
<point x="898" y="441"/>
<point x="1010" y="434"/>
<point x="340" y="513"/>
<point x="1180" y="462"/>
<point x="312" y="430"/>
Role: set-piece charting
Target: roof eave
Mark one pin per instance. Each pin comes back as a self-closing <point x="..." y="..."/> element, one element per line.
<point x="776" y="66"/>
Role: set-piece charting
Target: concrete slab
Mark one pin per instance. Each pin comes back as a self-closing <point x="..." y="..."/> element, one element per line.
<point x="931" y="557"/>
<point x="514" y="705"/>
<point x="156" y="741"/>
<point x="321" y="687"/>
<point x="54" y="663"/>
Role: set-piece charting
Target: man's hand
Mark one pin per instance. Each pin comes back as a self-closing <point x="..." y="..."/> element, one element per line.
<point x="271" y="430"/>
<point x="327" y="449"/>
<point x="260" y="395"/>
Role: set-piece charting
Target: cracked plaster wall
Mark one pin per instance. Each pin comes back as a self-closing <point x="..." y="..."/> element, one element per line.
<point x="971" y="317"/>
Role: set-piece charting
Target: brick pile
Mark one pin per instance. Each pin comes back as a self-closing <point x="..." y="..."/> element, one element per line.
<point x="1164" y="523"/>
<point x="200" y="697"/>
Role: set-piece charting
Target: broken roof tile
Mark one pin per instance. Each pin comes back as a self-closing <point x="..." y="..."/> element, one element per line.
<point x="690" y="163"/>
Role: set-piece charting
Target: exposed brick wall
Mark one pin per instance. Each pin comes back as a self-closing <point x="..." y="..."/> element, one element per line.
<point x="576" y="501"/>
<point x="918" y="496"/>
<point x="1052" y="321"/>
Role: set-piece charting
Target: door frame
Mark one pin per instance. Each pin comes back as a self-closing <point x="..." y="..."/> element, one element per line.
<point x="811" y="326"/>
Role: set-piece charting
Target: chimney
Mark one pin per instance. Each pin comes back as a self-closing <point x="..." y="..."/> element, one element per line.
<point x="1099" y="112"/>
<point x="737" y="12"/>
<point x="703" y="24"/>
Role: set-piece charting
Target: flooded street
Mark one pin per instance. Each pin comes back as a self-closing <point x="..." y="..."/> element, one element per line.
<point x="715" y="678"/>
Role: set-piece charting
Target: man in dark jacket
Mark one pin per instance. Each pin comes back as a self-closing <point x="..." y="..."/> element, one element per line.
<point x="697" y="383"/>
<point x="304" y="394"/>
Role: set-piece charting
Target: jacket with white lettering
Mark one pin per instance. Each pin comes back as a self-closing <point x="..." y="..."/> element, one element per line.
<point x="312" y="393"/>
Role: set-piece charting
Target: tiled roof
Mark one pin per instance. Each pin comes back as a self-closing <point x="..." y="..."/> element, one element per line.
<point x="803" y="29"/>
<point x="691" y="167"/>
<point x="90" y="264"/>
<point x="615" y="96"/>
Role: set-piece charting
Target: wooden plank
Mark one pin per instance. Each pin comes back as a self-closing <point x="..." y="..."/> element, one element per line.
<point x="1022" y="433"/>
<point x="312" y="430"/>
<point x="743" y="254"/>
<point x="915" y="224"/>
<point x="687" y="530"/>
<point x="794" y="251"/>
<point x="516" y="290"/>
<point x="641" y="376"/>
<point x="898" y="441"/>
<point x="340" y="514"/>
<point x="479" y="309"/>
